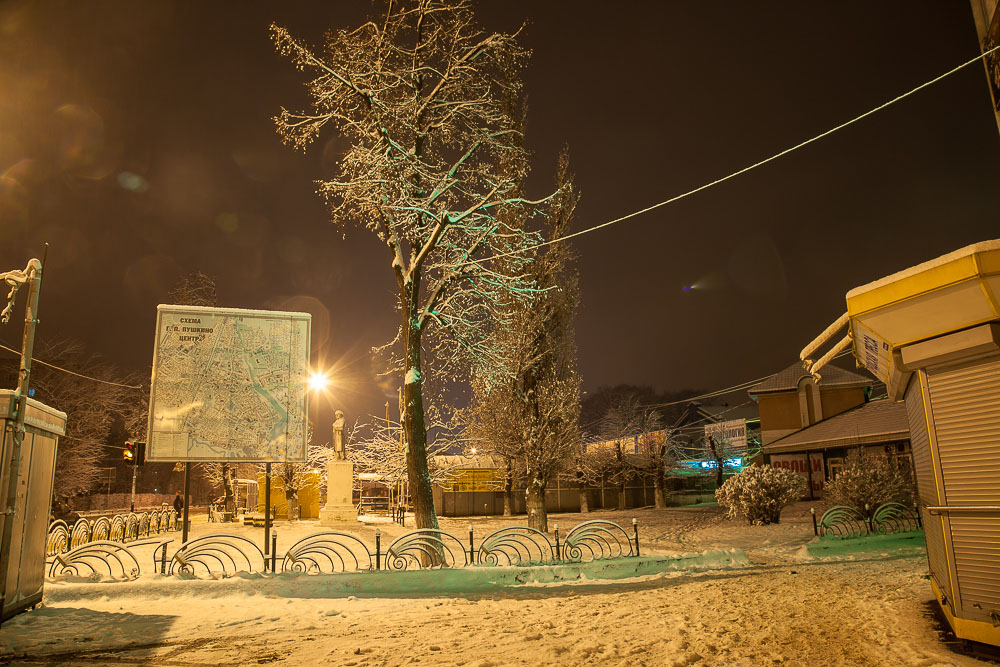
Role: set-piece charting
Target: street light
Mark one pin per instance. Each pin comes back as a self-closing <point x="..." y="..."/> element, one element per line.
<point x="318" y="381"/>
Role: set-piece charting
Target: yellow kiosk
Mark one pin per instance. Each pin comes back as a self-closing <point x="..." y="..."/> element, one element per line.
<point x="932" y="334"/>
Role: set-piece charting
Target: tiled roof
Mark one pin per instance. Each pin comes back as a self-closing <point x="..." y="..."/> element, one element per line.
<point x="788" y="379"/>
<point x="867" y="424"/>
<point x="728" y="412"/>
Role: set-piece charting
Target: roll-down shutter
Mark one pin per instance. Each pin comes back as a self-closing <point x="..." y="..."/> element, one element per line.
<point x="966" y="422"/>
<point x="923" y="462"/>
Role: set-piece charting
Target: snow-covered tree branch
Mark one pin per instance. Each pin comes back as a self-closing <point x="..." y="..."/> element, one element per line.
<point x="434" y="170"/>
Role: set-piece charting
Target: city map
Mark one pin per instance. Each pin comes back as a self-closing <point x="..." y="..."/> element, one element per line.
<point x="228" y="385"/>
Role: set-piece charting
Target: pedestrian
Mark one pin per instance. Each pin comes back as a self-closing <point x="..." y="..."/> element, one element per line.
<point x="178" y="502"/>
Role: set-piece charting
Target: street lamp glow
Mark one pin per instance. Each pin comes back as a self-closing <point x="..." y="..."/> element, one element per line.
<point x="318" y="381"/>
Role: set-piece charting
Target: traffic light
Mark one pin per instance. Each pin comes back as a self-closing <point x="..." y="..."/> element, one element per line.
<point x="134" y="452"/>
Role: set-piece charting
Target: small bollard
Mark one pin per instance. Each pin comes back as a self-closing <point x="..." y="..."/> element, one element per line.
<point x="163" y="559"/>
<point x="472" y="551"/>
<point x="812" y="510"/>
<point x="274" y="548"/>
<point x="378" y="548"/>
<point x="556" y="530"/>
<point x="635" y="531"/>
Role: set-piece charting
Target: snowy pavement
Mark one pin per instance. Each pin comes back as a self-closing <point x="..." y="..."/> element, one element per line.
<point x="784" y="608"/>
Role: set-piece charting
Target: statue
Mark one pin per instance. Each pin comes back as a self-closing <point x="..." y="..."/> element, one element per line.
<point x="339" y="449"/>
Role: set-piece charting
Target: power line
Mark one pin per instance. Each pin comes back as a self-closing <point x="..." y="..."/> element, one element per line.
<point x="744" y="169"/>
<point x="66" y="370"/>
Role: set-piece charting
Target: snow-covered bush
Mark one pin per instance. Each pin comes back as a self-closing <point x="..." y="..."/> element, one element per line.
<point x="869" y="481"/>
<point x="759" y="493"/>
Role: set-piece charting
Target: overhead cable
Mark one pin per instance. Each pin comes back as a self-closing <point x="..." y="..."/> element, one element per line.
<point x="747" y="168"/>
<point x="66" y="370"/>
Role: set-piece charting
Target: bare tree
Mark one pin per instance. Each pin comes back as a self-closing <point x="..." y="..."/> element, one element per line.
<point x="621" y="425"/>
<point x="593" y="466"/>
<point x="418" y="93"/>
<point x="194" y="289"/>
<point x="91" y="408"/>
<point x="654" y="454"/>
<point x="527" y="408"/>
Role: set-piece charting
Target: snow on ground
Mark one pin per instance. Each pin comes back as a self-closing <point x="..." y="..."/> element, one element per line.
<point x="784" y="608"/>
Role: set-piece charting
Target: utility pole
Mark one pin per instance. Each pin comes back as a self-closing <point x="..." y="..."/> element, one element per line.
<point x="135" y="466"/>
<point x="32" y="275"/>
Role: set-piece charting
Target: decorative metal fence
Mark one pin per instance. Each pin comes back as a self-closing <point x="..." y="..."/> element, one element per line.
<point x="844" y="521"/>
<point x="333" y="552"/>
<point x="120" y="528"/>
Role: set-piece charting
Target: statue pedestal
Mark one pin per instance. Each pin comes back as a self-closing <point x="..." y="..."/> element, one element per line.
<point x="339" y="494"/>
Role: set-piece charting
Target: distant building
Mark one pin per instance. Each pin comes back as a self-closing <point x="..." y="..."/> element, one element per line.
<point x="811" y="426"/>
<point x="791" y="400"/>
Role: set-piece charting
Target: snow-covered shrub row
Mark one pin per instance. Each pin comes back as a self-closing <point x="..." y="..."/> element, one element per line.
<point x="759" y="493"/>
<point x="869" y="481"/>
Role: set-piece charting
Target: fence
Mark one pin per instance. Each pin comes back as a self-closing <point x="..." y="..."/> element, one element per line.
<point x="564" y="496"/>
<point x="119" y="528"/>
<point x="843" y="521"/>
<point x="332" y="552"/>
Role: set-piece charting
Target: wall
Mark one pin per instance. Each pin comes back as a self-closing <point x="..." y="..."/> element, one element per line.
<point x="562" y="498"/>
<point x="835" y="401"/>
<point x="308" y="496"/>
<point x="120" y="501"/>
<point x="779" y="415"/>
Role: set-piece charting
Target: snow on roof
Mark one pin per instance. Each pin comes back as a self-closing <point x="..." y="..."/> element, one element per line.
<point x="982" y="246"/>
<point x="870" y="423"/>
<point x="789" y="378"/>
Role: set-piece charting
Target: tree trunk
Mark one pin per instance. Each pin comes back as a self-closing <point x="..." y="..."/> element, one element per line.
<point x="584" y="502"/>
<point x="508" y="493"/>
<point x="414" y="428"/>
<point x="659" y="492"/>
<point x="534" y="497"/>
<point x="292" y="504"/>
<point x="227" y="486"/>
<point x="621" y="496"/>
<point x="718" y="462"/>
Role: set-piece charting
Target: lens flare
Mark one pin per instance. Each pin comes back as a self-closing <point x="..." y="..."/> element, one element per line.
<point x="318" y="381"/>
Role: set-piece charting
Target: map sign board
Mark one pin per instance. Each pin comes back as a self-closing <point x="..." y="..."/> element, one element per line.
<point x="228" y="385"/>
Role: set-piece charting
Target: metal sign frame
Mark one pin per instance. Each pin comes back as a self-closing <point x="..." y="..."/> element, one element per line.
<point x="187" y="325"/>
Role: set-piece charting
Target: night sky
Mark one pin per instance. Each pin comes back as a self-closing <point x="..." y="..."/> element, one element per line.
<point x="137" y="140"/>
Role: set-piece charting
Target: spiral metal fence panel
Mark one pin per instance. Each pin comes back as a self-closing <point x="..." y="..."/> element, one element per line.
<point x="96" y="558"/>
<point x="131" y="528"/>
<point x="327" y="553"/>
<point x="217" y="554"/>
<point x="894" y="518"/>
<point x="57" y="541"/>
<point x="516" y="545"/>
<point x="597" y="540"/>
<point x="426" y="548"/>
<point x="81" y="533"/>
<point x="102" y="529"/>
<point x="844" y="521"/>
<point x="120" y="528"/>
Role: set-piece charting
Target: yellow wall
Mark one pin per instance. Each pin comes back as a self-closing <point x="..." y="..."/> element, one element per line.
<point x="308" y="496"/>
<point x="779" y="412"/>
<point x="835" y="401"/>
